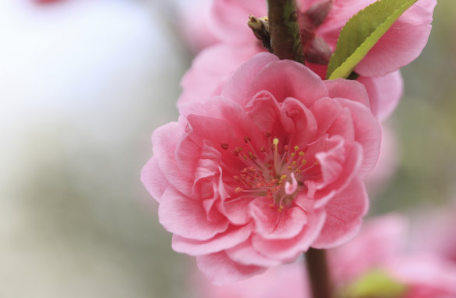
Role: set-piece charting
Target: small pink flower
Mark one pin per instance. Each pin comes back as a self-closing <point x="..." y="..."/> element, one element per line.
<point x="272" y="166"/>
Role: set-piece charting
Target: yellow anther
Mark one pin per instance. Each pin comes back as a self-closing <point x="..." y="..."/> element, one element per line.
<point x="301" y="153"/>
<point x="290" y="167"/>
<point x="238" y="189"/>
<point x="275" y="141"/>
<point x="294" y="163"/>
<point x="293" y="154"/>
<point x="280" y="208"/>
<point x="283" y="177"/>
<point x="304" y="161"/>
<point x="296" y="148"/>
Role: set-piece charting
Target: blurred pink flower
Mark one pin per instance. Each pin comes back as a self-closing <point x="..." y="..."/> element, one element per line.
<point x="323" y="19"/>
<point x="435" y="231"/>
<point x="193" y="18"/>
<point x="379" y="70"/>
<point x="252" y="178"/>
<point x="377" y="248"/>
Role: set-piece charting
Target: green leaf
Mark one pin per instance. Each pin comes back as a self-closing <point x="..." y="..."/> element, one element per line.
<point x="361" y="33"/>
<point x="374" y="284"/>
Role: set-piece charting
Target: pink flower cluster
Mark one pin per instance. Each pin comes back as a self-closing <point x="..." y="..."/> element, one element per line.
<point x="267" y="158"/>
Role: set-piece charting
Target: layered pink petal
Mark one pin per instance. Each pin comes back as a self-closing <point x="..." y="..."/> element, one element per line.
<point x="271" y="224"/>
<point x="153" y="179"/>
<point x="384" y="93"/>
<point x="211" y="69"/>
<point x="367" y="133"/>
<point x="186" y="217"/>
<point x="343" y="216"/>
<point x="284" y="79"/>
<point x="233" y="236"/>
<point x="237" y="88"/>
<point x="220" y="269"/>
<point x="245" y="254"/>
<point x="164" y="143"/>
<point x="352" y="90"/>
<point x="289" y="249"/>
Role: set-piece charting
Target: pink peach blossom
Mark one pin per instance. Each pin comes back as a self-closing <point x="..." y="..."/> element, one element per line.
<point x="398" y="47"/>
<point x="379" y="69"/>
<point x="193" y="18"/>
<point x="215" y="64"/>
<point x="435" y="230"/>
<point x="254" y="177"/>
<point x="378" y="247"/>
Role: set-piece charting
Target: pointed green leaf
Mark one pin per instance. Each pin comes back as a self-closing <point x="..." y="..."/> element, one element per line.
<point x="362" y="32"/>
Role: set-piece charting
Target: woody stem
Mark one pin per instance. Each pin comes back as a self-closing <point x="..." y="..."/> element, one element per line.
<point x="318" y="272"/>
<point x="284" y="30"/>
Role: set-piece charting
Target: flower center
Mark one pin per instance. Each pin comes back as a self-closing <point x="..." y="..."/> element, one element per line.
<point x="274" y="171"/>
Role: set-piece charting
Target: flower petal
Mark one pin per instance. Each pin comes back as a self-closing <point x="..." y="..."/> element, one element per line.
<point x="164" y="140"/>
<point x="274" y="224"/>
<point x="220" y="269"/>
<point x="153" y="179"/>
<point x="287" y="78"/>
<point x="343" y="216"/>
<point x="231" y="237"/>
<point x="384" y="93"/>
<point x="186" y="217"/>
<point x="368" y="133"/>
<point x="209" y="72"/>
<point x="245" y="254"/>
<point x="288" y="249"/>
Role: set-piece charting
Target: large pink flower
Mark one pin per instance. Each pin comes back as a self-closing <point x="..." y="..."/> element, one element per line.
<point x="377" y="248"/>
<point x="256" y="176"/>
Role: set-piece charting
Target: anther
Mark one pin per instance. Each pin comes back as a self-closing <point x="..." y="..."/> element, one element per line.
<point x="296" y="148"/>
<point x="247" y="139"/>
<point x="238" y="189"/>
<point x="224" y="146"/>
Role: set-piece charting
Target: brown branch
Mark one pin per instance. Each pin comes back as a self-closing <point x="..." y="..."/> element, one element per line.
<point x="284" y="30"/>
<point x="317" y="269"/>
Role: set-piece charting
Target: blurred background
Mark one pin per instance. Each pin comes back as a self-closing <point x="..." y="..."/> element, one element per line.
<point x="83" y="83"/>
